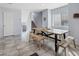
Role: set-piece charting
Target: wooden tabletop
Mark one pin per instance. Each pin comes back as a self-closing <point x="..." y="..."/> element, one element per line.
<point x="41" y="29"/>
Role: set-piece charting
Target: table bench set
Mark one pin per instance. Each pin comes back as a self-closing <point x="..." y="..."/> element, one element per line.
<point x="39" y="34"/>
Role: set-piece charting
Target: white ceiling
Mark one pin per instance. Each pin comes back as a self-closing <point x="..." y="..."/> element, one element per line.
<point x="32" y="6"/>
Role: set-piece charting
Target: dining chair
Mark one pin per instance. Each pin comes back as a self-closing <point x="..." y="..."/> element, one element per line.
<point x="38" y="31"/>
<point x="71" y="40"/>
<point x="65" y="43"/>
<point x="38" y="39"/>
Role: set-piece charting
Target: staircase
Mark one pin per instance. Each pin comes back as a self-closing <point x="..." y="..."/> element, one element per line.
<point x="35" y="21"/>
<point x="33" y="25"/>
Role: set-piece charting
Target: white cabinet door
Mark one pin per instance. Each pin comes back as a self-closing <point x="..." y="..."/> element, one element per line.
<point x="1" y="24"/>
<point x="8" y="23"/>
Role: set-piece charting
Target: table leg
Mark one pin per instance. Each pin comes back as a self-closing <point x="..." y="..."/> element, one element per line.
<point x="56" y="46"/>
<point x="34" y="31"/>
<point x="42" y="33"/>
<point x="64" y="35"/>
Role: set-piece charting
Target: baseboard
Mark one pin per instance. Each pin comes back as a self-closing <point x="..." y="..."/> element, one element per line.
<point x="11" y="36"/>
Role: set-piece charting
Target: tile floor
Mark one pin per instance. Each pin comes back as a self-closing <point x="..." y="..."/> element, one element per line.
<point x="14" y="46"/>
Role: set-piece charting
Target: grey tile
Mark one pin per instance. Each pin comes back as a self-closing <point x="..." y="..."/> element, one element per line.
<point x="1" y="52"/>
<point x="9" y="45"/>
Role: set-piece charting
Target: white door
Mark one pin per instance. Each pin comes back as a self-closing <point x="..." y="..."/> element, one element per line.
<point x="8" y="23"/>
<point x="1" y="24"/>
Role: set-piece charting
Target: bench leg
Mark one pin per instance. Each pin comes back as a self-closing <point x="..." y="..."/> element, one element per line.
<point x="74" y="43"/>
<point x="65" y="51"/>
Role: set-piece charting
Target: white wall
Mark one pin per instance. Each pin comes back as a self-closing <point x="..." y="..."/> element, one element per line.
<point x="13" y="19"/>
<point x="19" y="17"/>
<point x="56" y="17"/>
<point x="25" y="17"/>
<point x="45" y="15"/>
<point x="10" y="22"/>
<point x="1" y="24"/>
<point x="17" y="23"/>
<point x="49" y="18"/>
<point x="74" y="22"/>
<point x="63" y="11"/>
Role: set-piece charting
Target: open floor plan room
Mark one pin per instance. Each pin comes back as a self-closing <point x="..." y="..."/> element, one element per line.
<point x="39" y="29"/>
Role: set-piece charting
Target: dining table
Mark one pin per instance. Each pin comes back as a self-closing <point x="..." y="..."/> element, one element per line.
<point x="47" y="32"/>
